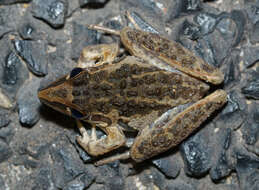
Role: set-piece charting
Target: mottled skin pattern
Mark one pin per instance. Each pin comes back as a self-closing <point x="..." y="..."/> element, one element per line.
<point x="138" y="91"/>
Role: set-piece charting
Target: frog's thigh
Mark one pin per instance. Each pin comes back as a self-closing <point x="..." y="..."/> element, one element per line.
<point x="169" y="130"/>
<point x="114" y="139"/>
<point x="98" y="54"/>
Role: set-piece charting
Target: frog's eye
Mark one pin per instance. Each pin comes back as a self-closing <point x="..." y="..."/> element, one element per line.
<point x="76" y="114"/>
<point x="75" y="72"/>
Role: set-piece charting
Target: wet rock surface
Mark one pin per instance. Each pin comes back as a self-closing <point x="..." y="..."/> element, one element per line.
<point x="40" y="41"/>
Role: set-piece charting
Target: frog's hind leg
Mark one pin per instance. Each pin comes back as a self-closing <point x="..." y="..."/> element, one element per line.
<point x="114" y="139"/>
<point x="96" y="55"/>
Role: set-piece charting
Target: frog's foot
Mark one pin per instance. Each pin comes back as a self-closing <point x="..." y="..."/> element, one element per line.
<point x="115" y="139"/>
<point x="96" y="55"/>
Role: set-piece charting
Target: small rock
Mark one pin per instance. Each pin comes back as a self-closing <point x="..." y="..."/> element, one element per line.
<point x="250" y="129"/>
<point x="87" y="178"/>
<point x="239" y="19"/>
<point x="4" y="118"/>
<point x="74" y="185"/>
<point x="6" y="134"/>
<point x="190" y="30"/>
<point x="2" y="183"/>
<point x="28" y="104"/>
<point x="42" y="179"/>
<point x="83" y="3"/>
<point x="13" y="72"/>
<point x="196" y="156"/>
<point x="231" y="70"/>
<point x="247" y="171"/>
<point x="169" y="165"/>
<point x="190" y="6"/>
<point x="51" y="11"/>
<point x="250" y="132"/>
<point x="27" y="31"/>
<point x="34" y="54"/>
<point x="251" y="89"/>
<point x="5" y="152"/>
<point x="106" y="173"/>
<point x="10" y="69"/>
<point x="67" y="166"/>
<point x="116" y="183"/>
<point x="222" y="168"/>
<point x="82" y="37"/>
<point x="251" y="55"/>
<point x="206" y="21"/>
<point x="253" y="12"/>
<point x="8" y="2"/>
<point x="233" y="115"/>
<point x="152" y="178"/>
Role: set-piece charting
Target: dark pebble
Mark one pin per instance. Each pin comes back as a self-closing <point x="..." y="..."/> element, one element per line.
<point x="5" y="152"/>
<point x="151" y="178"/>
<point x="106" y="173"/>
<point x="4" y="118"/>
<point x="190" y="30"/>
<point x="94" y="3"/>
<point x="28" y="104"/>
<point x="52" y="11"/>
<point x="190" y="6"/>
<point x="27" y="31"/>
<point x="250" y="129"/>
<point x="6" y="134"/>
<point x="42" y="179"/>
<point x="221" y="169"/>
<point x="247" y="171"/>
<point x="13" y="73"/>
<point x="233" y="114"/>
<point x="232" y="70"/>
<point x="251" y="55"/>
<point x="2" y="184"/>
<point x="240" y="21"/>
<point x="67" y="166"/>
<point x="251" y="89"/>
<point x="75" y="185"/>
<point x="170" y="165"/>
<point x="206" y="21"/>
<point x="34" y="54"/>
<point x="82" y="37"/>
<point x="87" y="178"/>
<point x="196" y="156"/>
<point x="251" y="9"/>
<point x="10" y="69"/>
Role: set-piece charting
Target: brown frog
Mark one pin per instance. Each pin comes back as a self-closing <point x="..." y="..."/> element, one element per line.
<point x="158" y="90"/>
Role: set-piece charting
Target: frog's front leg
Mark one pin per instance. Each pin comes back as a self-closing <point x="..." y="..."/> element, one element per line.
<point x="115" y="138"/>
<point x="96" y="55"/>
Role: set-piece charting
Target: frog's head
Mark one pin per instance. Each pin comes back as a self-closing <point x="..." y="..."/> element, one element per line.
<point x="59" y="94"/>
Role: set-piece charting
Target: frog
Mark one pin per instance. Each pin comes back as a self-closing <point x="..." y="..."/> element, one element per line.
<point x="160" y="89"/>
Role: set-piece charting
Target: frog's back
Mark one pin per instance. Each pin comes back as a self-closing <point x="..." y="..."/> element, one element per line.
<point x="133" y="89"/>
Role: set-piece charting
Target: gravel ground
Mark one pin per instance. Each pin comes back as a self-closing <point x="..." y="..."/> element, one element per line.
<point x="42" y="40"/>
